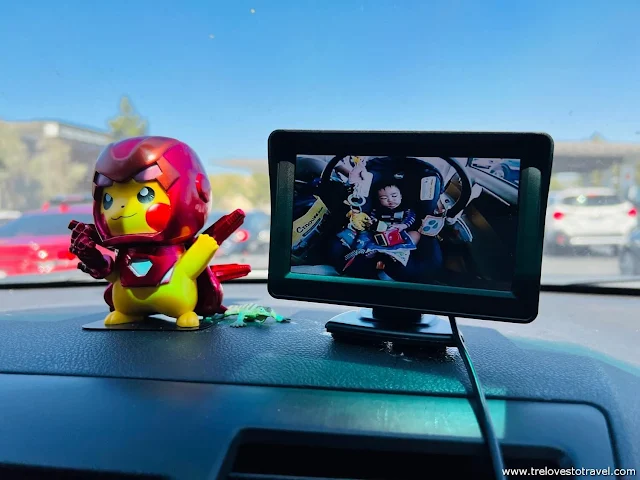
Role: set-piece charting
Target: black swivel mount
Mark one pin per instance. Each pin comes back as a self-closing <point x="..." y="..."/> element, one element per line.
<point x="384" y="324"/>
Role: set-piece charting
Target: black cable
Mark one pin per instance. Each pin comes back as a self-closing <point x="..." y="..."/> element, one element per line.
<point x="482" y="410"/>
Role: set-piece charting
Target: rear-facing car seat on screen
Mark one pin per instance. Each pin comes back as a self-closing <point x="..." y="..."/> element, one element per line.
<point x="420" y="185"/>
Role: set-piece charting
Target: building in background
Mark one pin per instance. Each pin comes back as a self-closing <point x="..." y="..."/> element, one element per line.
<point x="599" y="163"/>
<point x="86" y="143"/>
<point x="41" y="159"/>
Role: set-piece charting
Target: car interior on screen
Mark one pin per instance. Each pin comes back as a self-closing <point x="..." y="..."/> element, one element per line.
<point x="348" y="240"/>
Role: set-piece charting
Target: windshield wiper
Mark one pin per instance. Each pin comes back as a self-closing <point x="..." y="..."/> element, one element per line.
<point x="626" y="279"/>
<point x="610" y="279"/>
<point x="598" y="285"/>
<point x="74" y="278"/>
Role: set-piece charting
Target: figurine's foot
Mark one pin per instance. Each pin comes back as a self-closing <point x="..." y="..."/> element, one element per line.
<point x="188" y="320"/>
<point x="238" y="323"/>
<point x="117" y="318"/>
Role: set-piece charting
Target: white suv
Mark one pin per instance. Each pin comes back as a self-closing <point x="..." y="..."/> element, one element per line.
<point x="588" y="217"/>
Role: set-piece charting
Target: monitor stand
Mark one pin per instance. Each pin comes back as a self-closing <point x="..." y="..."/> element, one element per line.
<point x="383" y="324"/>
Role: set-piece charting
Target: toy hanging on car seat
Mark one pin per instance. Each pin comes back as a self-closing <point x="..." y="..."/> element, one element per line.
<point x="151" y="198"/>
<point x="359" y="185"/>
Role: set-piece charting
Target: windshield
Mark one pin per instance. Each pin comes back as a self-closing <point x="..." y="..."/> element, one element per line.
<point x="40" y="225"/>
<point x="222" y="75"/>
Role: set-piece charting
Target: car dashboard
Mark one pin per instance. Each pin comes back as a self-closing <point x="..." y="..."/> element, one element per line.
<point x="285" y="401"/>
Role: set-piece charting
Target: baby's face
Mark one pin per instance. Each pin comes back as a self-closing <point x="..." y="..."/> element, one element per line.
<point x="390" y="197"/>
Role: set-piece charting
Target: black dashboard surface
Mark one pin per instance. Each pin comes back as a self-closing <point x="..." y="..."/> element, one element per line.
<point x="581" y="349"/>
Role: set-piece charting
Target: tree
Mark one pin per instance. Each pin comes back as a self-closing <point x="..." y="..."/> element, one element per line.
<point x="127" y="123"/>
<point x="14" y="186"/>
<point x="259" y="193"/>
<point x="54" y="171"/>
<point x="228" y="190"/>
<point x="232" y="190"/>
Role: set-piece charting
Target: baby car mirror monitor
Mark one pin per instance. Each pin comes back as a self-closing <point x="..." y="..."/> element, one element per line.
<point x="407" y="224"/>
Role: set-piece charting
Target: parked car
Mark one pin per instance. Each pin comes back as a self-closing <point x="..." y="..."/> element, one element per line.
<point x="38" y="242"/>
<point x="8" y="215"/>
<point x="507" y="169"/>
<point x="629" y="258"/>
<point x="73" y="199"/>
<point x="482" y="163"/>
<point x="633" y="195"/>
<point x="588" y="217"/>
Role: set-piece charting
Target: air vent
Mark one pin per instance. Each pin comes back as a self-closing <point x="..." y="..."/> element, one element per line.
<point x="316" y="458"/>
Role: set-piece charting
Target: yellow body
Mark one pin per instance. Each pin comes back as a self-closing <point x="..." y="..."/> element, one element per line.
<point x="125" y="205"/>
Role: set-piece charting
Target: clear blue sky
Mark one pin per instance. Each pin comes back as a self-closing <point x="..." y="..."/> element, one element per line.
<point x="568" y="67"/>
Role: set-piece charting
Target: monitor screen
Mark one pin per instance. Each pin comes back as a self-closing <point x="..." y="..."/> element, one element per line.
<point x="430" y="220"/>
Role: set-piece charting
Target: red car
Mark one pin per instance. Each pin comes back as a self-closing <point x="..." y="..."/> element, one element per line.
<point x="38" y="242"/>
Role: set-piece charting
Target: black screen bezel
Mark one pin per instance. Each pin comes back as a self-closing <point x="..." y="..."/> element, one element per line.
<point x="520" y="305"/>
